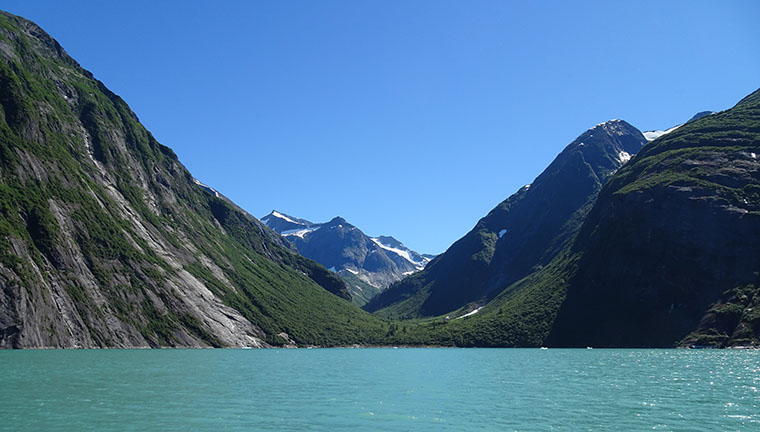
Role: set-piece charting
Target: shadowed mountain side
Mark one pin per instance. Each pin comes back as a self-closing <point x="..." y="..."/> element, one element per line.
<point x="521" y="234"/>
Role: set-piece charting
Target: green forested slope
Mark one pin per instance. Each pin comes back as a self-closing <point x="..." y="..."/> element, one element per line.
<point x="106" y="240"/>
<point x="669" y="254"/>
<point x="523" y="233"/>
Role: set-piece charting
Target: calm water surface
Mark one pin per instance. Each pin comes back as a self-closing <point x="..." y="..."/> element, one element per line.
<point x="379" y="389"/>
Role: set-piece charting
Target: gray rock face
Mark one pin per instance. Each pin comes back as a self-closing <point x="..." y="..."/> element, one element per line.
<point x="106" y="240"/>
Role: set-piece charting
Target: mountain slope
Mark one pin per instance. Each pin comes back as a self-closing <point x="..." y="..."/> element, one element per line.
<point x="107" y="240"/>
<point x="668" y="255"/>
<point x="522" y="233"/>
<point x="367" y="264"/>
<point x="671" y="251"/>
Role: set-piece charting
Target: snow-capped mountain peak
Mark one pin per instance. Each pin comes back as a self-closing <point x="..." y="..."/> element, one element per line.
<point x="282" y="223"/>
<point x="367" y="264"/>
<point x="279" y="215"/>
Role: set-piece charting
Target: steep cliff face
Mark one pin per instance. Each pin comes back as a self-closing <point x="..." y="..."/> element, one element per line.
<point x="107" y="240"/>
<point x="671" y="251"/>
<point x="524" y="232"/>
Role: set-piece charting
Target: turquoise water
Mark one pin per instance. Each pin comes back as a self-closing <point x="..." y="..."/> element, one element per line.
<point x="380" y="389"/>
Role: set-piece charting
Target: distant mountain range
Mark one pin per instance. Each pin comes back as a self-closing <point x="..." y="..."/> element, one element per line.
<point x="367" y="264"/>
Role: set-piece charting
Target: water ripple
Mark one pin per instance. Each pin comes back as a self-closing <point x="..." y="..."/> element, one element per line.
<point x="379" y="389"/>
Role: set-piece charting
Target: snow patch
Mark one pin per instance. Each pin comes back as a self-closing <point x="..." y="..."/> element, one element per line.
<point x="351" y="271"/>
<point x="502" y="232"/>
<point x="470" y="313"/>
<point x="283" y="217"/>
<point x="403" y="254"/>
<point x="206" y="187"/>
<point x="653" y="135"/>
<point x="604" y="123"/>
<point x="300" y="232"/>
<point x="332" y="269"/>
<point x="754" y="156"/>
<point x="623" y="156"/>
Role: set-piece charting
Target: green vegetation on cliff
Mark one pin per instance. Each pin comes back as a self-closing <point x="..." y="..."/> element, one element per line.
<point x="667" y="255"/>
<point x="106" y="240"/>
<point x="522" y="234"/>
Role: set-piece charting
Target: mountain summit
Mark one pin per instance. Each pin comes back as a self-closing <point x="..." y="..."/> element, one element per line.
<point x="667" y="254"/>
<point x="522" y="233"/>
<point x="368" y="264"/>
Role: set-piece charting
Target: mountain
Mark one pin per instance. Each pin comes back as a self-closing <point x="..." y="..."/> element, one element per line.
<point x="523" y="233"/>
<point x="281" y="222"/>
<point x="106" y="240"/>
<point x="367" y="264"/>
<point x="669" y="254"/>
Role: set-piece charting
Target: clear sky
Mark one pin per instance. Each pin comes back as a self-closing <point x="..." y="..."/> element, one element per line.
<point x="407" y="118"/>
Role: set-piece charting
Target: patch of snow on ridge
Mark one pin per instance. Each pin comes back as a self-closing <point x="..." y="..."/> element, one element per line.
<point x="754" y="156"/>
<point x="403" y="254"/>
<point x="604" y="123"/>
<point x="470" y="313"/>
<point x="653" y="135"/>
<point x="623" y="156"/>
<point x="277" y="214"/>
<point x="206" y="187"/>
<point x="300" y="232"/>
<point x="502" y="232"/>
<point x="350" y="270"/>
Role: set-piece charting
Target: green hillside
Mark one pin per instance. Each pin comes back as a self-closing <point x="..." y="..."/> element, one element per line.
<point x="107" y="240"/>
<point x="520" y="235"/>
<point x="669" y="254"/>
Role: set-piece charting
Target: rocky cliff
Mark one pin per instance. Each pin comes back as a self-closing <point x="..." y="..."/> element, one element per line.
<point x="106" y="240"/>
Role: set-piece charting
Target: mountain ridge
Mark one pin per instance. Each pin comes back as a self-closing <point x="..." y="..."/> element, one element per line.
<point x="667" y="255"/>
<point x="106" y="240"/>
<point x="367" y="264"/>
<point x="525" y="230"/>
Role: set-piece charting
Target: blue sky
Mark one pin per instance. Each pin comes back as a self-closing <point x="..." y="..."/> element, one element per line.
<point x="407" y="118"/>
